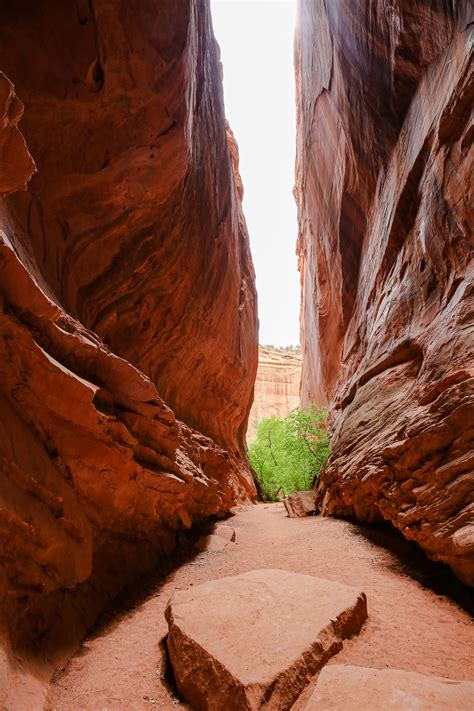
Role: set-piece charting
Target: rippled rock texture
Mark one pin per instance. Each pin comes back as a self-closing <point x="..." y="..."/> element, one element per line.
<point x="384" y="180"/>
<point x="277" y="386"/>
<point x="128" y="344"/>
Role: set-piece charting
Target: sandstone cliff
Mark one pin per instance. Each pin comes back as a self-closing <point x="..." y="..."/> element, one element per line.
<point x="277" y="386"/>
<point x="128" y="326"/>
<point x="383" y="187"/>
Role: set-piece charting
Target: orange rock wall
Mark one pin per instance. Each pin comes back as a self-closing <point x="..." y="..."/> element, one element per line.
<point x="277" y="386"/>
<point x="128" y="329"/>
<point x="384" y="190"/>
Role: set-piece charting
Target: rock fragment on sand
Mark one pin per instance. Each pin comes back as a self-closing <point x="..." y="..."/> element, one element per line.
<point x="300" y="504"/>
<point x="254" y="640"/>
<point x="224" y="531"/>
<point x="211" y="543"/>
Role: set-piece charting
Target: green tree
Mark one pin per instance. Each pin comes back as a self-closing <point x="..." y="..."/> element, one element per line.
<point x="288" y="454"/>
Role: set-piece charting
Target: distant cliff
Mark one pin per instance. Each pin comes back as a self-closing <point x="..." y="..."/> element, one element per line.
<point x="277" y="387"/>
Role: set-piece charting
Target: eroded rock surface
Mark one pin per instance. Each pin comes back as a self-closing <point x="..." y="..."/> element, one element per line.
<point x="385" y="217"/>
<point x="253" y="641"/>
<point x="277" y="386"/>
<point x="342" y="686"/>
<point x="134" y="215"/>
<point x="127" y="304"/>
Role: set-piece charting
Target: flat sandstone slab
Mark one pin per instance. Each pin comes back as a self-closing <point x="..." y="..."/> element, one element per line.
<point x="254" y="640"/>
<point x="360" y="689"/>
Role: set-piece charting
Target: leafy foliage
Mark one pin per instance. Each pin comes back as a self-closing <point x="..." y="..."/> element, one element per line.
<point x="287" y="455"/>
<point x="283" y="349"/>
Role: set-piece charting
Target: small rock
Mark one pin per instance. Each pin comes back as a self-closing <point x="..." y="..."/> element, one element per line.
<point x="212" y="543"/>
<point x="224" y="531"/>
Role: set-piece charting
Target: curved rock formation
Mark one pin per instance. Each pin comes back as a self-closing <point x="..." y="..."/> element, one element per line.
<point x="384" y="162"/>
<point x="134" y="216"/>
<point x="277" y="385"/>
<point x="128" y="310"/>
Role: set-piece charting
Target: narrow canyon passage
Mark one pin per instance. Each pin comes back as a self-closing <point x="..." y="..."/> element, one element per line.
<point x="410" y="627"/>
<point x="130" y="341"/>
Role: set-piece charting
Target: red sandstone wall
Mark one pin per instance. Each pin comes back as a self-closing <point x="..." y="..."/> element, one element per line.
<point x="133" y="215"/>
<point x="384" y="180"/>
<point x="128" y="329"/>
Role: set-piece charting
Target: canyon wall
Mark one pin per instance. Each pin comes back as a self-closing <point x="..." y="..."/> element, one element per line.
<point x="277" y="385"/>
<point x="384" y="190"/>
<point x="128" y="328"/>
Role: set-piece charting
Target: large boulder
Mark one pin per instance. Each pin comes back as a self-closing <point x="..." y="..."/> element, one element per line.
<point x="300" y="504"/>
<point x="254" y="640"/>
<point x="359" y="689"/>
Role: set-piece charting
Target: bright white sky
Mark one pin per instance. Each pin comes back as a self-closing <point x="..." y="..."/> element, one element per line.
<point x="256" y="40"/>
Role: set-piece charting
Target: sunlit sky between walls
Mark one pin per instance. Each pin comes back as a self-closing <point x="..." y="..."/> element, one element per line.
<point x="256" y="40"/>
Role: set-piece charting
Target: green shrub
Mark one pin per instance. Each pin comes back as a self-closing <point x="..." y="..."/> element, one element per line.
<point x="287" y="455"/>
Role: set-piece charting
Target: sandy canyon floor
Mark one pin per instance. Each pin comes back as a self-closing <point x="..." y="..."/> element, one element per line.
<point x="418" y="614"/>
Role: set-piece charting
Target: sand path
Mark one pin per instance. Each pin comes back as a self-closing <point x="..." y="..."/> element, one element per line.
<point x="414" y="622"/>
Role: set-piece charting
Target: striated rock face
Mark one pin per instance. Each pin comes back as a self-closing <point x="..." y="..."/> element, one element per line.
<point x="277" y="386"/>
<point x="127" y="303"/>
<point x="383" y="187"/>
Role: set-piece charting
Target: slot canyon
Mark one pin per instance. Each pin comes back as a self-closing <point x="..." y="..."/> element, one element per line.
<point x="129" y="352"/>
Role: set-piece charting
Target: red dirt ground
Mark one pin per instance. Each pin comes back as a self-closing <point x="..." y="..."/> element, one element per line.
<point x="122" y="667"/>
